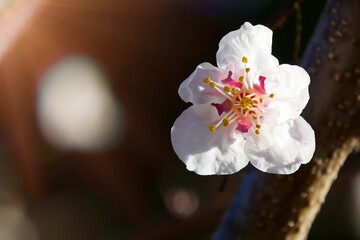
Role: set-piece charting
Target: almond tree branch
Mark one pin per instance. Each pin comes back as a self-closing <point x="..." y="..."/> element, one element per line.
<point x="298" y="29"/>
<point x="284" y="207"/>
<point x="280" y="17"/>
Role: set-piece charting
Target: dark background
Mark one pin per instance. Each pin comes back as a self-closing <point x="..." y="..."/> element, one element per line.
<point x="147" y="48"/>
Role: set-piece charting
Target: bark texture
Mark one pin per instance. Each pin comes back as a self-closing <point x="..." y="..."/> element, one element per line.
<point x="284" y="207"/>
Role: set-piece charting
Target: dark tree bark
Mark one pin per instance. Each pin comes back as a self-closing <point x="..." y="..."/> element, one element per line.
<point x="284" y="207"/>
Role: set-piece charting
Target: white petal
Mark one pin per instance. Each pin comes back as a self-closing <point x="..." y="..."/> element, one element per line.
<point x="283" y="149"/>
<point x="254" y="42"/>
<point x="290" y="84"/>
<point x="203" y="152"/>
<point x="194" y="90"/>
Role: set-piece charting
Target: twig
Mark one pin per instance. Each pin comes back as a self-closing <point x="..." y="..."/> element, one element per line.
<point x="280" y="17"/>
<point x="297" y="41"/>
<point x="223" y="183"/>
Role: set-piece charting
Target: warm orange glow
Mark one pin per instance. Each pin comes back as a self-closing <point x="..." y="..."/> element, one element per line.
<point x="16" y="15"/>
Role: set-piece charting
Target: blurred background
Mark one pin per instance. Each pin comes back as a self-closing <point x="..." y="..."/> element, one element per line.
<point x="88" y="94"/>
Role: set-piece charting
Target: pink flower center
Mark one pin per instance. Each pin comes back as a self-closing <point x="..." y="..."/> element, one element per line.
<point x="245" y="101"/>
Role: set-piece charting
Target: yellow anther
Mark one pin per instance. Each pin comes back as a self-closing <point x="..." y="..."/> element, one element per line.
<point x="226" y="122"/>
<point x="212" y="84"/>
<point x="241" y="79"/>
<point x="244" y="59"/>
<point x="212" y="128"/>
<point x="272" y="95"/>
<point x="258" y="126"/>
<point x="255" y="117"/>
<point x="227" y="89"/>
<point x="207" y="80"/>
<point x="246" y="103"/>
<point x="247" y="70"/>
<point x="233" y="91"/>
<point x="261" y="100"/>
<point x="257" y="131"/>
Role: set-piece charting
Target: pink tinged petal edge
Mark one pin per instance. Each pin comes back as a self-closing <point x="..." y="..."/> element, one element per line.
<point x="262" y="82"/>
<point x="222" y="107"/>
<point x="291" y="144"/>
<point x="203" y="152"/>
<point x="195" y="91"/>
<point x="290" y="85"/>
<point x="260" y="88"/>
<point x="228" y="80"/>
<point x="243" y="125"/>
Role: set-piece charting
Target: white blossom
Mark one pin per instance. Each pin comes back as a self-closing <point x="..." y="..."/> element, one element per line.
<point x="247" y="109"/>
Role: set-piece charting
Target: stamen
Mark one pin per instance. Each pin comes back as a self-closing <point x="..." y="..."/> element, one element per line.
<point x="233" y="117"/>
<point x="244" y="103"/>
<point x="245" y="84"/>
<point x="212" y="128"/>
<point x="246" y="112"/>
<point x="226" y="122"/>
<point x="228" y="116"/>
<point x="248" y="81"/>
<point x="225" y="94"/>
<point x="221" y="89"/>
<point x="207" y="80"/>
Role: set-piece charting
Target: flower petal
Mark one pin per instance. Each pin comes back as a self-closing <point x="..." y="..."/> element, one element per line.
<point x="194" y="90"/>
<point x="228" y="80"/>
<point x="283" y="149"/>
<point x="290" y="84"/>
<point x="203" y="152"/>
<point x="243" y="125"/>
<point x="254" y="42"/>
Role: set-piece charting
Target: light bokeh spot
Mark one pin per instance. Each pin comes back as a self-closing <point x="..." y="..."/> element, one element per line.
<point x="181" y="202"/>
<point x="76" y="109"/>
